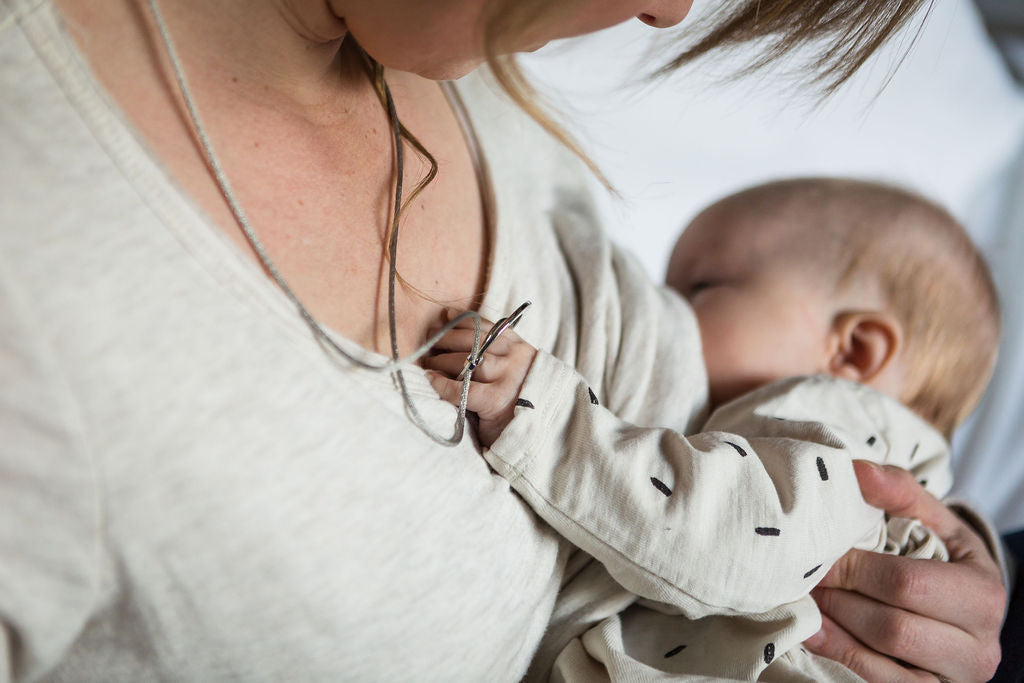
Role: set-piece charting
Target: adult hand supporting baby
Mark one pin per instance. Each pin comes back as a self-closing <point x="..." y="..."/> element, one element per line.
<point x="878" y="607"/>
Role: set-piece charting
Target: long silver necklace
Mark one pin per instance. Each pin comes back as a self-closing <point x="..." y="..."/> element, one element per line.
<point x="396" y="363"/>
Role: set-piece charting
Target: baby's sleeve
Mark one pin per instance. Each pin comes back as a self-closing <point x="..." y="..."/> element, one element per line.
<point x="739" y="518"/>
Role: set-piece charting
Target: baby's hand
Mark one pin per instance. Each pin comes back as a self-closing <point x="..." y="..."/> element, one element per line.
<point x="496" y="381"/>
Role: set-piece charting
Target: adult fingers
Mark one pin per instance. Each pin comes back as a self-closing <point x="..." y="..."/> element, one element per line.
<point x="909" y="609"/>
<point x="923" y="587"/>
<point x="917" y="616"/>
<point x="903" y="635"/>
<point x="833" y="642"/>
<point x="895" y="490"/>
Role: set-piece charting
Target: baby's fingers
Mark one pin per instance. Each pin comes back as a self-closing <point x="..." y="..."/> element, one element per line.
<point x="457" y="340"/>
<point x="486" y="400"/>
<point x="448" y="364"/>
<point x="447" y="389"/>
<point x="490" y="369"/>
<point x="461" y="338"/>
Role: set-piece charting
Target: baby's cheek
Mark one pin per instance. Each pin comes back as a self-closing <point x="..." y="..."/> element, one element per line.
<point x="737" y="363"/>
<point x="726" y="372"/>
<point x="725" y="344"/>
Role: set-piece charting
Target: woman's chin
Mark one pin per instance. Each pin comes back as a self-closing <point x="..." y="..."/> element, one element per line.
<point x="446" y="71"/>
<point x="449" y="71"/>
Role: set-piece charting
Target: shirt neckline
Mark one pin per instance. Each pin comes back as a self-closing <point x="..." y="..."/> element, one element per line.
<point x="225" y="261"/>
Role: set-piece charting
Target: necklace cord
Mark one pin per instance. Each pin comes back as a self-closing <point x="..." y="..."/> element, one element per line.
<point x="396" y="363"/>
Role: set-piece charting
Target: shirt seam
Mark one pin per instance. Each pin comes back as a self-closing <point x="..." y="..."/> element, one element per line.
<point x="17" y="12"/>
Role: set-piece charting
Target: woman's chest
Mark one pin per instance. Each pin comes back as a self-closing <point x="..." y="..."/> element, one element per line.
<point x="316" y="183"/>
<point x="322" y="204"/>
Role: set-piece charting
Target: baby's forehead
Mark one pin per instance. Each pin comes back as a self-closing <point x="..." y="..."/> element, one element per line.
<point x="729" y="228"/>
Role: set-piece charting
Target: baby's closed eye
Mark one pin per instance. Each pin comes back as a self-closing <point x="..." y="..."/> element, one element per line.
<point x="697" y="286"/>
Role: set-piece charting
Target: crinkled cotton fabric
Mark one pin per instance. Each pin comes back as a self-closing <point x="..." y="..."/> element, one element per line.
<point x="718" y="535"/>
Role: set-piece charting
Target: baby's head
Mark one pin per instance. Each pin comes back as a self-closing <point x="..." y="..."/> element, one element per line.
<point x="848" y="278"/>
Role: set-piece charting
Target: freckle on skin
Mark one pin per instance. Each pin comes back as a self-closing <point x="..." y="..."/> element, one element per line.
<point x="234" y="79"/>
<point x="302" y="203"/>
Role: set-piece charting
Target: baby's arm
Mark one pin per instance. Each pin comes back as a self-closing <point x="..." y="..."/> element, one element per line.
<point x="716" y="523"/>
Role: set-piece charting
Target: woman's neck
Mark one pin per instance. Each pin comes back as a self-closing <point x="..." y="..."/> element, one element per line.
<point x="272" y="47"/>
<point x="301" y="134"/>
<point x="288" y="53"/>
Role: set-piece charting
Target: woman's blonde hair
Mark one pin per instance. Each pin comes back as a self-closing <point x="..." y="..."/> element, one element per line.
<point x="848" y="32"/>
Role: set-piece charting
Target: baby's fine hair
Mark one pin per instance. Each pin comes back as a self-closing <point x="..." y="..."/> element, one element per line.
<point x="929" y="273"/>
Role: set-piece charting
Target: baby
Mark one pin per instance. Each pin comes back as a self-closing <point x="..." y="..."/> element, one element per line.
<point x="840" y="320"/>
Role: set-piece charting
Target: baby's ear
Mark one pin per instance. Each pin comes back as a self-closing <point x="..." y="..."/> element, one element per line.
<point x="864" y="345"/>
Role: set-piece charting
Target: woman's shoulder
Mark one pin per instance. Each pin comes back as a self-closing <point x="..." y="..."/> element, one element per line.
<point x="521" y="155"/>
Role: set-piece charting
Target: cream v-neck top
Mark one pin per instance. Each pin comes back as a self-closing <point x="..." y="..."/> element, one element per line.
<point x="191" y="488"/>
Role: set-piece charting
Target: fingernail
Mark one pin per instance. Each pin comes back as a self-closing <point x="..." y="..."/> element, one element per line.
<point x="815" y="642"/>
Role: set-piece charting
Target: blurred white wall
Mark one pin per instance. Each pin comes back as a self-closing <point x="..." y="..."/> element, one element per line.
<point x="949" y="124"/>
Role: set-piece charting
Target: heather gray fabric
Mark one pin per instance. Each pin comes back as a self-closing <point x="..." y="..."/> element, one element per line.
<point x="193" y="490"/>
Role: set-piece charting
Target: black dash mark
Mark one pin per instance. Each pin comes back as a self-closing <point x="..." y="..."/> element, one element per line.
<point x="524" y="403"/>
<point x="660" y="485"/>
<point x="822" y="472"/>
<point x="674" y="651"/>
<point x="767" y="531"/>
<point x="871" y="440"/>
<point x="769" y="653"/>
<point x="738" y="449"/>
<point x="914" y="452"/>
<point x="593" y="397"/>
<point x="812" y="571"/>
<point x="923" y="482"/>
